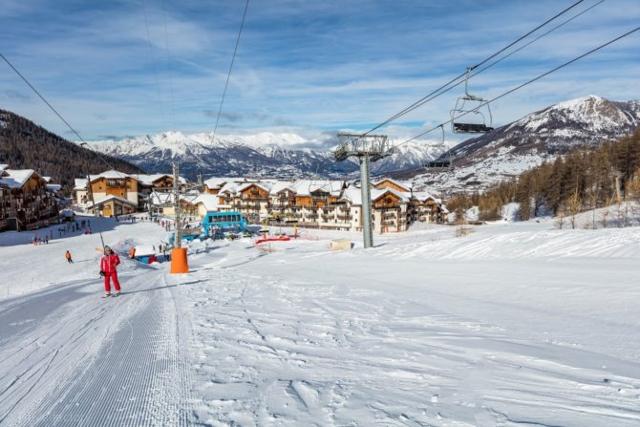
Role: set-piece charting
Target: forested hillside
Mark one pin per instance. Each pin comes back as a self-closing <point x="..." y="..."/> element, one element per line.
<point x="25" y="145"/>
<point x="581" y="180"/>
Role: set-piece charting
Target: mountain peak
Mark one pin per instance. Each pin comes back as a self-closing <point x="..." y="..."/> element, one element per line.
<point x="540" y="136"/>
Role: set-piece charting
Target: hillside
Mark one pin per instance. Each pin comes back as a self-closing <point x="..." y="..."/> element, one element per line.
<point x="265" y="154"/>
<point x="579" y="181"/>
<point x="25" y="145"/>
<point x="541" y="136"/>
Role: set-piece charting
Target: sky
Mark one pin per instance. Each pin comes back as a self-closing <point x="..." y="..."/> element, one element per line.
<point x="123" y="68"/>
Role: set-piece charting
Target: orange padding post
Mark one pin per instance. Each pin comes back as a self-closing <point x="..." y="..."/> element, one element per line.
<point x="179" y="262"/>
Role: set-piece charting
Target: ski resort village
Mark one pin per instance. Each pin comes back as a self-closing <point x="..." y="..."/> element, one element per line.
<point x="337" y="213"/>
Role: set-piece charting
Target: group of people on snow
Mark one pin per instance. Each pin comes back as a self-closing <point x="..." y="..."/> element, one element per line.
<point x="37" y="240"/>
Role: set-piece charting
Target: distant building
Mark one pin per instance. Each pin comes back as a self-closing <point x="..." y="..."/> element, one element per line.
<point x="26" y="203"/>
<point x="113" y="193"/>
<point x="328" y="204"/>
<point x="110" y="205"/>
<point x="107" y="194"/>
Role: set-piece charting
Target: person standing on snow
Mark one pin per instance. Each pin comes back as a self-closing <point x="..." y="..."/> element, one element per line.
<point x="108" y="265"/>
<point x="67" y="256"/>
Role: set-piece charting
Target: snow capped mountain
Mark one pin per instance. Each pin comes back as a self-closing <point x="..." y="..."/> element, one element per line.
<point x="265" y="154"/>
<point x="540" y="136"/>
<point x="503" y="153"/>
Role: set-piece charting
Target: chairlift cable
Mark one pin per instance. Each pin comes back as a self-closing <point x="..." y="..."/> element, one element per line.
<point x="528" y="82"/>
<point x="51" y="107"/>
<point x="435" y="93"/>
<point x="168" y="62"/>
<point x="226" y="83"/>
<point x="563" y="23"/>
<point x="152" y="57"/>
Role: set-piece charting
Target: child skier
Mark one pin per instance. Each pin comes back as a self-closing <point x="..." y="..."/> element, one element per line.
<point x="67" y="256"/>
<point x="108" y="265"/>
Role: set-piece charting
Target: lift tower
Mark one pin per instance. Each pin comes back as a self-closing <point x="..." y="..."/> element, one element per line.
<point x="367" y="149"/>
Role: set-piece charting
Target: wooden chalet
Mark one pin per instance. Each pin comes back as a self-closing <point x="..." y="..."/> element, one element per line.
<point x="110" y="206"/>
<point x="390" y="211"/>
<point x="426" y="208"/>
<point x="26" y="203"/>
<point x="253" y="201"/>
<point x="113" y="183"/>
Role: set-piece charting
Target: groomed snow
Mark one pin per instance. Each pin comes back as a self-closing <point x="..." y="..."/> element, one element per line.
<point x="513" y="324"/>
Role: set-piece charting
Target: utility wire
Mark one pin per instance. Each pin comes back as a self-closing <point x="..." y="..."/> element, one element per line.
<point x="226" y="83"/>
<point x="497" y="61"/>
<point x="153" y="60"/>
<point x="168" y="58"/>
<point x="528" y="82"/>
<point x="75" y="132"/>
<point x="52" y="108"/>
<point x="425" y="98"/>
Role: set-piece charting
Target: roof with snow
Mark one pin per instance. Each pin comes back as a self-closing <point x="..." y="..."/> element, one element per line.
<point x="393" y="181"/>
<point x="16" y="178"/>
<point x="217" y="182"/>
<point x="262" y="184"/>
<point x="80" y="184"/>
<point x="229" y="187"/>
<point x="423" y="196"/>
<point x="150" y="179"/>
<point x="54" y="187"/>
<point x="306" y="187"/>
<point x="282" y="185"/>
<point x="110" y="174"/>
<point x="354" y="195"/>
<point x="209" y="201"/>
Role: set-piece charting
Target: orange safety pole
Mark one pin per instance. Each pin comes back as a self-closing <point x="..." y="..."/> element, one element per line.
<point x="179" y="263"/>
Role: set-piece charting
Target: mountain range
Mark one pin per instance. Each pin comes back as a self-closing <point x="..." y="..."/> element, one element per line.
<point x="266" y="154"/>
<point x="478" y="162"/>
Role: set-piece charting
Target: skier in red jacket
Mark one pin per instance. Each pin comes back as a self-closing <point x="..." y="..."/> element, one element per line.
<point x="108" y="265"/>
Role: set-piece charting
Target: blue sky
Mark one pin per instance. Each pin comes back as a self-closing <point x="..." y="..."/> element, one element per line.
<point x="117" y="68"/>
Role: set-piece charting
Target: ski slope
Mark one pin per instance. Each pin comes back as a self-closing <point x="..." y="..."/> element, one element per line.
<point x="515" y="324"/>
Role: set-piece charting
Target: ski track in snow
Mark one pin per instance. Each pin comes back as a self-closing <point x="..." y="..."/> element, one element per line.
<point x="104" y="362"/>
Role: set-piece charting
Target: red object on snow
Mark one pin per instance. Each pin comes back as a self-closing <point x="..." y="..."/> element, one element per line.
<point x="273" y="239"/>
<point x="108" y="265"/>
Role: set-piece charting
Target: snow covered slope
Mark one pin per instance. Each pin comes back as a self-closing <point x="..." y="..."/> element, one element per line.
<point x="281" y="155"/>
<point x="509" y="150"/>
<point x="512" y="325"/>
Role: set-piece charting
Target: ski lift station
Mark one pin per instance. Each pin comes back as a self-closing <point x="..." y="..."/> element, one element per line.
<point x="223" y="221"/>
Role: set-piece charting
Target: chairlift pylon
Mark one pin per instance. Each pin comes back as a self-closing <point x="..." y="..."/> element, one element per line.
<point x="441" y="164"/>
<point x="471" y="104"/>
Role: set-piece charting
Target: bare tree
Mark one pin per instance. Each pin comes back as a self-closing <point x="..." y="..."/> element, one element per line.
<point x="574" y="204"/>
